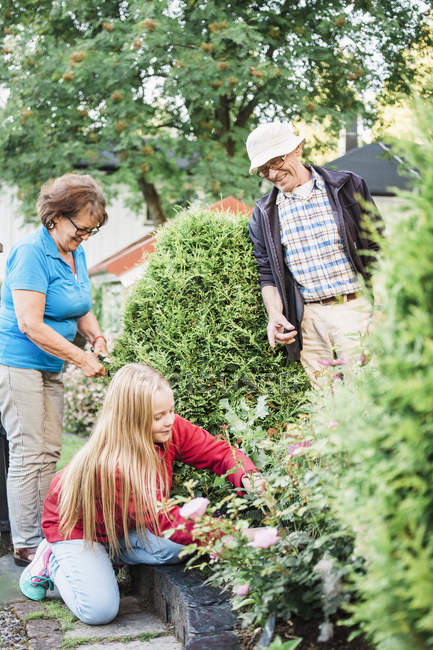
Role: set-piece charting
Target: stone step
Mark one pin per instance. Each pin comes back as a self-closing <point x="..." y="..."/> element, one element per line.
<point x="134" y="628"/>
<point x="170" y="609"/>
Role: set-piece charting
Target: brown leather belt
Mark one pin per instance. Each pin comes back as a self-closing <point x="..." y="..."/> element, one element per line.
<point x="334" y="300"/>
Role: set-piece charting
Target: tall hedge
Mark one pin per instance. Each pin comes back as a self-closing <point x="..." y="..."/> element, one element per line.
<point x="383" y="420"/>
<point x="197" y="316"/>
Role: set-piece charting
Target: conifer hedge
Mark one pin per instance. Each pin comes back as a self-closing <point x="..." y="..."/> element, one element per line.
<point x="383" y="421"/>
<point x="197" y="316"/>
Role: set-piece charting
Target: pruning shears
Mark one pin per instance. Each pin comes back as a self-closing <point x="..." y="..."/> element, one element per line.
<point x="103" y="359"/>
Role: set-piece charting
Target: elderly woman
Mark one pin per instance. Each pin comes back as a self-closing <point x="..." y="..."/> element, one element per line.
<point x="45" y="298"/>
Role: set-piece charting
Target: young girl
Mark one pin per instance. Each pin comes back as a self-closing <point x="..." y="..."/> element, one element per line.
<point x="108" y="503"/>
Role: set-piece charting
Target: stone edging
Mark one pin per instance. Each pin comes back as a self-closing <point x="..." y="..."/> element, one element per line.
<point x="200" y="614"/>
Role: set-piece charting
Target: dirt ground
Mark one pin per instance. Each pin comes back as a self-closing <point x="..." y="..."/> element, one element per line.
<point x="308" y="631"/>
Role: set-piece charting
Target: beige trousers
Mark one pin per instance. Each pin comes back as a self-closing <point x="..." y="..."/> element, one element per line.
<point x="31" y="408"/>
<point x="330" y="331"/>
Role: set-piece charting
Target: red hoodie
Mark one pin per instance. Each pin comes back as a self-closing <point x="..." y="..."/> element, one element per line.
<point x="189" y="444"/>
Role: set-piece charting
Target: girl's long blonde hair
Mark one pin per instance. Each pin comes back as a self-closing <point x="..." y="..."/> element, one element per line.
<point x="119" y="458"/>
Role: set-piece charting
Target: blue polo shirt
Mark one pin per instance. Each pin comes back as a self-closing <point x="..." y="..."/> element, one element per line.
<point x="35" y="264"/>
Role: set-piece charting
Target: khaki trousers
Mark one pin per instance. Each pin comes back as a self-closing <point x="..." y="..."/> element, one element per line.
<point x="332" y="330"/>
<point x="31" y="408"/>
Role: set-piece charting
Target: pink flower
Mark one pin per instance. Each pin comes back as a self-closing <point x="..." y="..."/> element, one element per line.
<point x="264" y="538"/>
<point x="195" y="508"/>
<point x="341" y="361"/>
<point x="242" y="590"/>
<point x="332" y="424"/>
<point x="296" y="449"/>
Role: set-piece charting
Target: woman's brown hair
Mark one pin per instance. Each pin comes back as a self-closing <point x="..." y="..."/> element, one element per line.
<point x="67" y="195"/>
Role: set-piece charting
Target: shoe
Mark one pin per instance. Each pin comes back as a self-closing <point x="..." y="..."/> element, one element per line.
<point x="35" y="579"/>
<point x="24" y="556"/>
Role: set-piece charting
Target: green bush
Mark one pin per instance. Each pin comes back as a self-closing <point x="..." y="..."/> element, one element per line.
<point x="383" y="424"/>
<point x="197" y="316"/>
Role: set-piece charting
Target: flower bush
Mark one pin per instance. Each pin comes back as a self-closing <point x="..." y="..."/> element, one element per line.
<point x="297" y="561"/>
<point x="83" y="397"/>
<point x="82" y="401"/>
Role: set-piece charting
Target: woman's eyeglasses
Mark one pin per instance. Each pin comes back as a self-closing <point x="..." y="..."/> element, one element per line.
<point x="275" y="163"/>
<point x="83" y="231"/>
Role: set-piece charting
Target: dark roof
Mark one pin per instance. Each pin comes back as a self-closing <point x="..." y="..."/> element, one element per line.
<point x="378" y="166"/>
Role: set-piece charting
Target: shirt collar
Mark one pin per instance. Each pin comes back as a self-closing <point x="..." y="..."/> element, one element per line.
<point x="50" y="246"/>
<point x="317" y="182"/>
<point x="48" y="243"/>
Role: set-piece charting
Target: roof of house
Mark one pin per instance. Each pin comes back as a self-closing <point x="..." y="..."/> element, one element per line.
<point x="378" y="166"/>
<point x="232" y="205"/>
<point x="128" y="257"/>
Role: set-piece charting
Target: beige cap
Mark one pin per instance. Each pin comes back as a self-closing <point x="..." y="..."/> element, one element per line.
<point x="270" y="140"/>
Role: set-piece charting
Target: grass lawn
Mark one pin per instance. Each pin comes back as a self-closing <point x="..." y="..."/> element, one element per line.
<point x="70" y="445"/>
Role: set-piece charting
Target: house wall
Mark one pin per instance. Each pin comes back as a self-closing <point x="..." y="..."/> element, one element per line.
<point x="388" y="206"/>
<point x="123" y="228"/>
<point x="11" y="224"/>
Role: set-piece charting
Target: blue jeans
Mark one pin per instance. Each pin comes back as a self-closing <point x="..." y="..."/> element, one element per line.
<point x="85" y="577"/>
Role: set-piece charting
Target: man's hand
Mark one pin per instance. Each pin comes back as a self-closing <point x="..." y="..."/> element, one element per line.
<point x="276" y="334"/>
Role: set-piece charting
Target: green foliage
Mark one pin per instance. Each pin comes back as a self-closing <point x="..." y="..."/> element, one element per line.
<point x="383" y="426"/>
<point x="197" y="316"/>
<point x="70" y="445"/>
<point x="58" y="610"/>
<point x="97" y="301"/>
<point x="162" y="83"/>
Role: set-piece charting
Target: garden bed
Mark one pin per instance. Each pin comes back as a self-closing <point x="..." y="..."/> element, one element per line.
<point x="308" y="631"/>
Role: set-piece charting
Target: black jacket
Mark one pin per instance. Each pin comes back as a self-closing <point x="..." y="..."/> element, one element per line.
<point x="341" y="187"/>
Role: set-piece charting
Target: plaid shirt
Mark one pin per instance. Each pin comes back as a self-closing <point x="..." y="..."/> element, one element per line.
<point x="313" y="249"/>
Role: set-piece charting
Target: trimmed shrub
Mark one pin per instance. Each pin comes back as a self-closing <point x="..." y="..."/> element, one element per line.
<point x="197" y="316"/>
<point x="383" y="423"/>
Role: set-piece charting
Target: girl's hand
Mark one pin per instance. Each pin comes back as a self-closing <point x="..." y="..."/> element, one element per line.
<point x="254" y="481"/>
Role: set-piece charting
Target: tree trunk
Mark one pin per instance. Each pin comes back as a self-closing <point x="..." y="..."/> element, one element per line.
<point x="153" y="201"/>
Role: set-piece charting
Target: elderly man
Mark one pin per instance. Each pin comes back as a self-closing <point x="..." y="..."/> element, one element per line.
<point x="311" y="250"/>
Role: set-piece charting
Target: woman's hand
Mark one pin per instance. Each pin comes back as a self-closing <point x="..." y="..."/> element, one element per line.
<point x="90" y="366"/>
<point x="254" y="481"/>
<point x="100" y="348"/>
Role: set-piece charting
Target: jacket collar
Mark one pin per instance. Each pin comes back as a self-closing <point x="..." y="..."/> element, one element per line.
<point x="334" y="178"/>
<point x="266" y="203"/>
